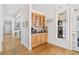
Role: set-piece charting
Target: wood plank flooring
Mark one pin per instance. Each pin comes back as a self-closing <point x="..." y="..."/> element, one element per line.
<point x="15" y="48"/>
<point x="49" y="49"/>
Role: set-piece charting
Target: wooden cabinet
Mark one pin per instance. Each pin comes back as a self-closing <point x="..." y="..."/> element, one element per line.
<point x="37" y="19"/>
<point x="38" y="39"/>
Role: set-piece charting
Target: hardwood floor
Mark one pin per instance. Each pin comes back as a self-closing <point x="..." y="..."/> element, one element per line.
<point x="49" y="49"/>
<point x="14" y="47"/>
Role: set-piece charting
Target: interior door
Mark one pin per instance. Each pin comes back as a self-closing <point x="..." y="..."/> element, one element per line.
<point x="76" y="31"/>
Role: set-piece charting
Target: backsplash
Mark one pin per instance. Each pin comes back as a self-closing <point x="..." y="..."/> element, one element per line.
<point x="35" y="29"/>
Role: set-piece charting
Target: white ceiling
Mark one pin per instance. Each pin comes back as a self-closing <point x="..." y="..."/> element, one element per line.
<point x="45" y="8"/>
<point x="12" y="9"/>
<point x="48" y="8"/>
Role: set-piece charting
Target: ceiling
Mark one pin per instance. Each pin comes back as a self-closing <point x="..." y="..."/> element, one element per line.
<point x="12" y="9"/>
<point x="48" y="8"/>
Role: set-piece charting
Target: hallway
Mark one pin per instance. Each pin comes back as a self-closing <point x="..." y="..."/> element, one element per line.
<point x="12" y="46"/>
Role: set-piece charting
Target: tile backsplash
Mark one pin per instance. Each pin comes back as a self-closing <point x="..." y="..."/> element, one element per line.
<point x="39" y="29"/>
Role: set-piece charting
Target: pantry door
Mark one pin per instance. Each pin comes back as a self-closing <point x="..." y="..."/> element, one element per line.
<point x="75" y="34"/>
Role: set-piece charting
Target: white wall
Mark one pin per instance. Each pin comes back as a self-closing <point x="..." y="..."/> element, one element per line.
<point x="50" y="33"/>
<point x="25" y="30"/>
<point x="7" y="27"/>
<point x="1" y="26"/>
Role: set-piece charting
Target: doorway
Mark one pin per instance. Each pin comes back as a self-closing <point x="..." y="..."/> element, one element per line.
<point x="7" y="33"/>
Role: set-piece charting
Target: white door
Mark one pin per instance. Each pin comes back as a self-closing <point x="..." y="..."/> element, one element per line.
<point x="75" y="34"/>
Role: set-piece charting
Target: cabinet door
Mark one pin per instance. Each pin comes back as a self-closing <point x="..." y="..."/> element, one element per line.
<point x="43" y="20"/>
<point x="40" y="21"/>
<point x="43" y="37"/>
<point x="38" y="39"/>
<point x="34" y="40"/>
<point x="41" y="40"/>
<point x="37" y="20"/>
<point x="33" y="18"/>
<point x="46" y="37"/>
